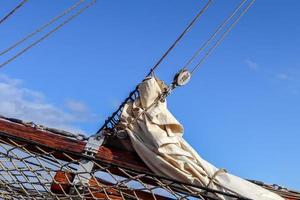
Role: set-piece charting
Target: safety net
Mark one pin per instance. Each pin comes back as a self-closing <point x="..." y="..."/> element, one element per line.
<point x="36" y="163"/>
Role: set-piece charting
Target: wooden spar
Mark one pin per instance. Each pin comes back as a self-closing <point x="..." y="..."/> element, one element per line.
<point x="48" y="140"/>
<point x="27" y="134"/>
<point x="58" y="142"/>
<point x="22" y="134"/>
<point x="95" y="184"/>
<point x="100" y="188"/>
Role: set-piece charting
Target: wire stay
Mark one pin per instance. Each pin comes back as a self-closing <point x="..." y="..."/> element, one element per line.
<point x="222" y="31"/>
<point x="222" y="36"/>
<point x="112" y="120"/>
<point x="40" y="29"/>
<point x="48" y="34"/>
<point x="12" y="11"/>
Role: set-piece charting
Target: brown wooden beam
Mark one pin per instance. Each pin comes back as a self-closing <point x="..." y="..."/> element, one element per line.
<point x="49" y="140"/>
<point x="62" y="143"/>
<point x="100" y="188"/>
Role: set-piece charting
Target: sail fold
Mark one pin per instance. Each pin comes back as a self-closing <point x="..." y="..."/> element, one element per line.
<point x="156" y="136"/>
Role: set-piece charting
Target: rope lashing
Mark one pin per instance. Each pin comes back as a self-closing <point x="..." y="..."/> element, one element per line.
<point x="220" y="171"/>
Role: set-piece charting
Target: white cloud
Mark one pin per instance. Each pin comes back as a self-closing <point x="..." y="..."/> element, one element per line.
<point x="19" y="102"/>
<point x="252" y="65"/>
<point x="283" y="76"/>
<point x="76" y="106"/>
<point x="289" y="76"/>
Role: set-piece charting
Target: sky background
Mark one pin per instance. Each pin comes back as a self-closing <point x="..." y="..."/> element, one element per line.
<point x="240" y="111"/>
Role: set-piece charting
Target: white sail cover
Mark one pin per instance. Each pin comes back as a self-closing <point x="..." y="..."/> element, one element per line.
<point x="156" y="136"/>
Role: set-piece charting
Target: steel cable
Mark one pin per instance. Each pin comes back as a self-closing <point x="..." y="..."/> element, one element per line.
<point x="13" y="11"/>
<point x="65" y="12"/>
<point x="216" y="44"/>
<point x="48" y="34"/>
<point x="209" y="51"/>
<point x="222" y="37"/>
<point x="187" y="29"/>
<point x="217" y="31"/>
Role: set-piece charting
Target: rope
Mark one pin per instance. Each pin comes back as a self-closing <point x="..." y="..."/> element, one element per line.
<point x="131" y="94"/>
<point x="223" y="36"/>
<point x="65" y="12"/>
<point x="190" y="25"/>
<point x="214" y="34"/>
<point x="13" y="11"/>
<point x="220" y="171"/>
<point x="111" y="119"/>
<point x="161" y="98"/>
<point x="49" y="33"/>
<point x="29" y="169"/>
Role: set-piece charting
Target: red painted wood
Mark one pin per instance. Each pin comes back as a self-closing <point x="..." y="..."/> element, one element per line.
<point x="64" y="144"/>
<point x="49" y="140"/>
<point x="62" y="181"/>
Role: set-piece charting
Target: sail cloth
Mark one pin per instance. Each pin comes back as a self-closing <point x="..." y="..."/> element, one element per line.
<point x="156" y="136"/>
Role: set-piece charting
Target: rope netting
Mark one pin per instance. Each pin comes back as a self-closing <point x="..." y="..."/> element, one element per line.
<point x="43" y="163"/>
<point x="31" y="171"/>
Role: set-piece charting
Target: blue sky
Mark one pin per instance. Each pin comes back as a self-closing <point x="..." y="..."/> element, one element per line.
<point x="240" y="111"/>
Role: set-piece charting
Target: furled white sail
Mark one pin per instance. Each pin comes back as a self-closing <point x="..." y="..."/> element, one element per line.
<point x="156" y="136"/>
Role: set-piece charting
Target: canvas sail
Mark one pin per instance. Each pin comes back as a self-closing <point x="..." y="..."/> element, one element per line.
<point x="156" y="136"/>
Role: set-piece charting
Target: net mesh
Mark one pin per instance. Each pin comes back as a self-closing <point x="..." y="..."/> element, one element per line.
<point x="31" y="171"/>
<point x="37" y="162"/>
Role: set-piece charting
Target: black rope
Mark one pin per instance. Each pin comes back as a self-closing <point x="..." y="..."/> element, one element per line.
<point x="13" y="11"/>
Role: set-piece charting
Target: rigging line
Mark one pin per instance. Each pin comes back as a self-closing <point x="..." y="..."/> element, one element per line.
<point x="162" y="97"/>
<point x="108" y="121"/>
<point x="217" y="31"/>
<point x="13" y="11"/>
<point x="189" y="27"/>
<point x="49" y="33"/>
<point x="223" y="36"/>
<point x="65" y="12"/>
